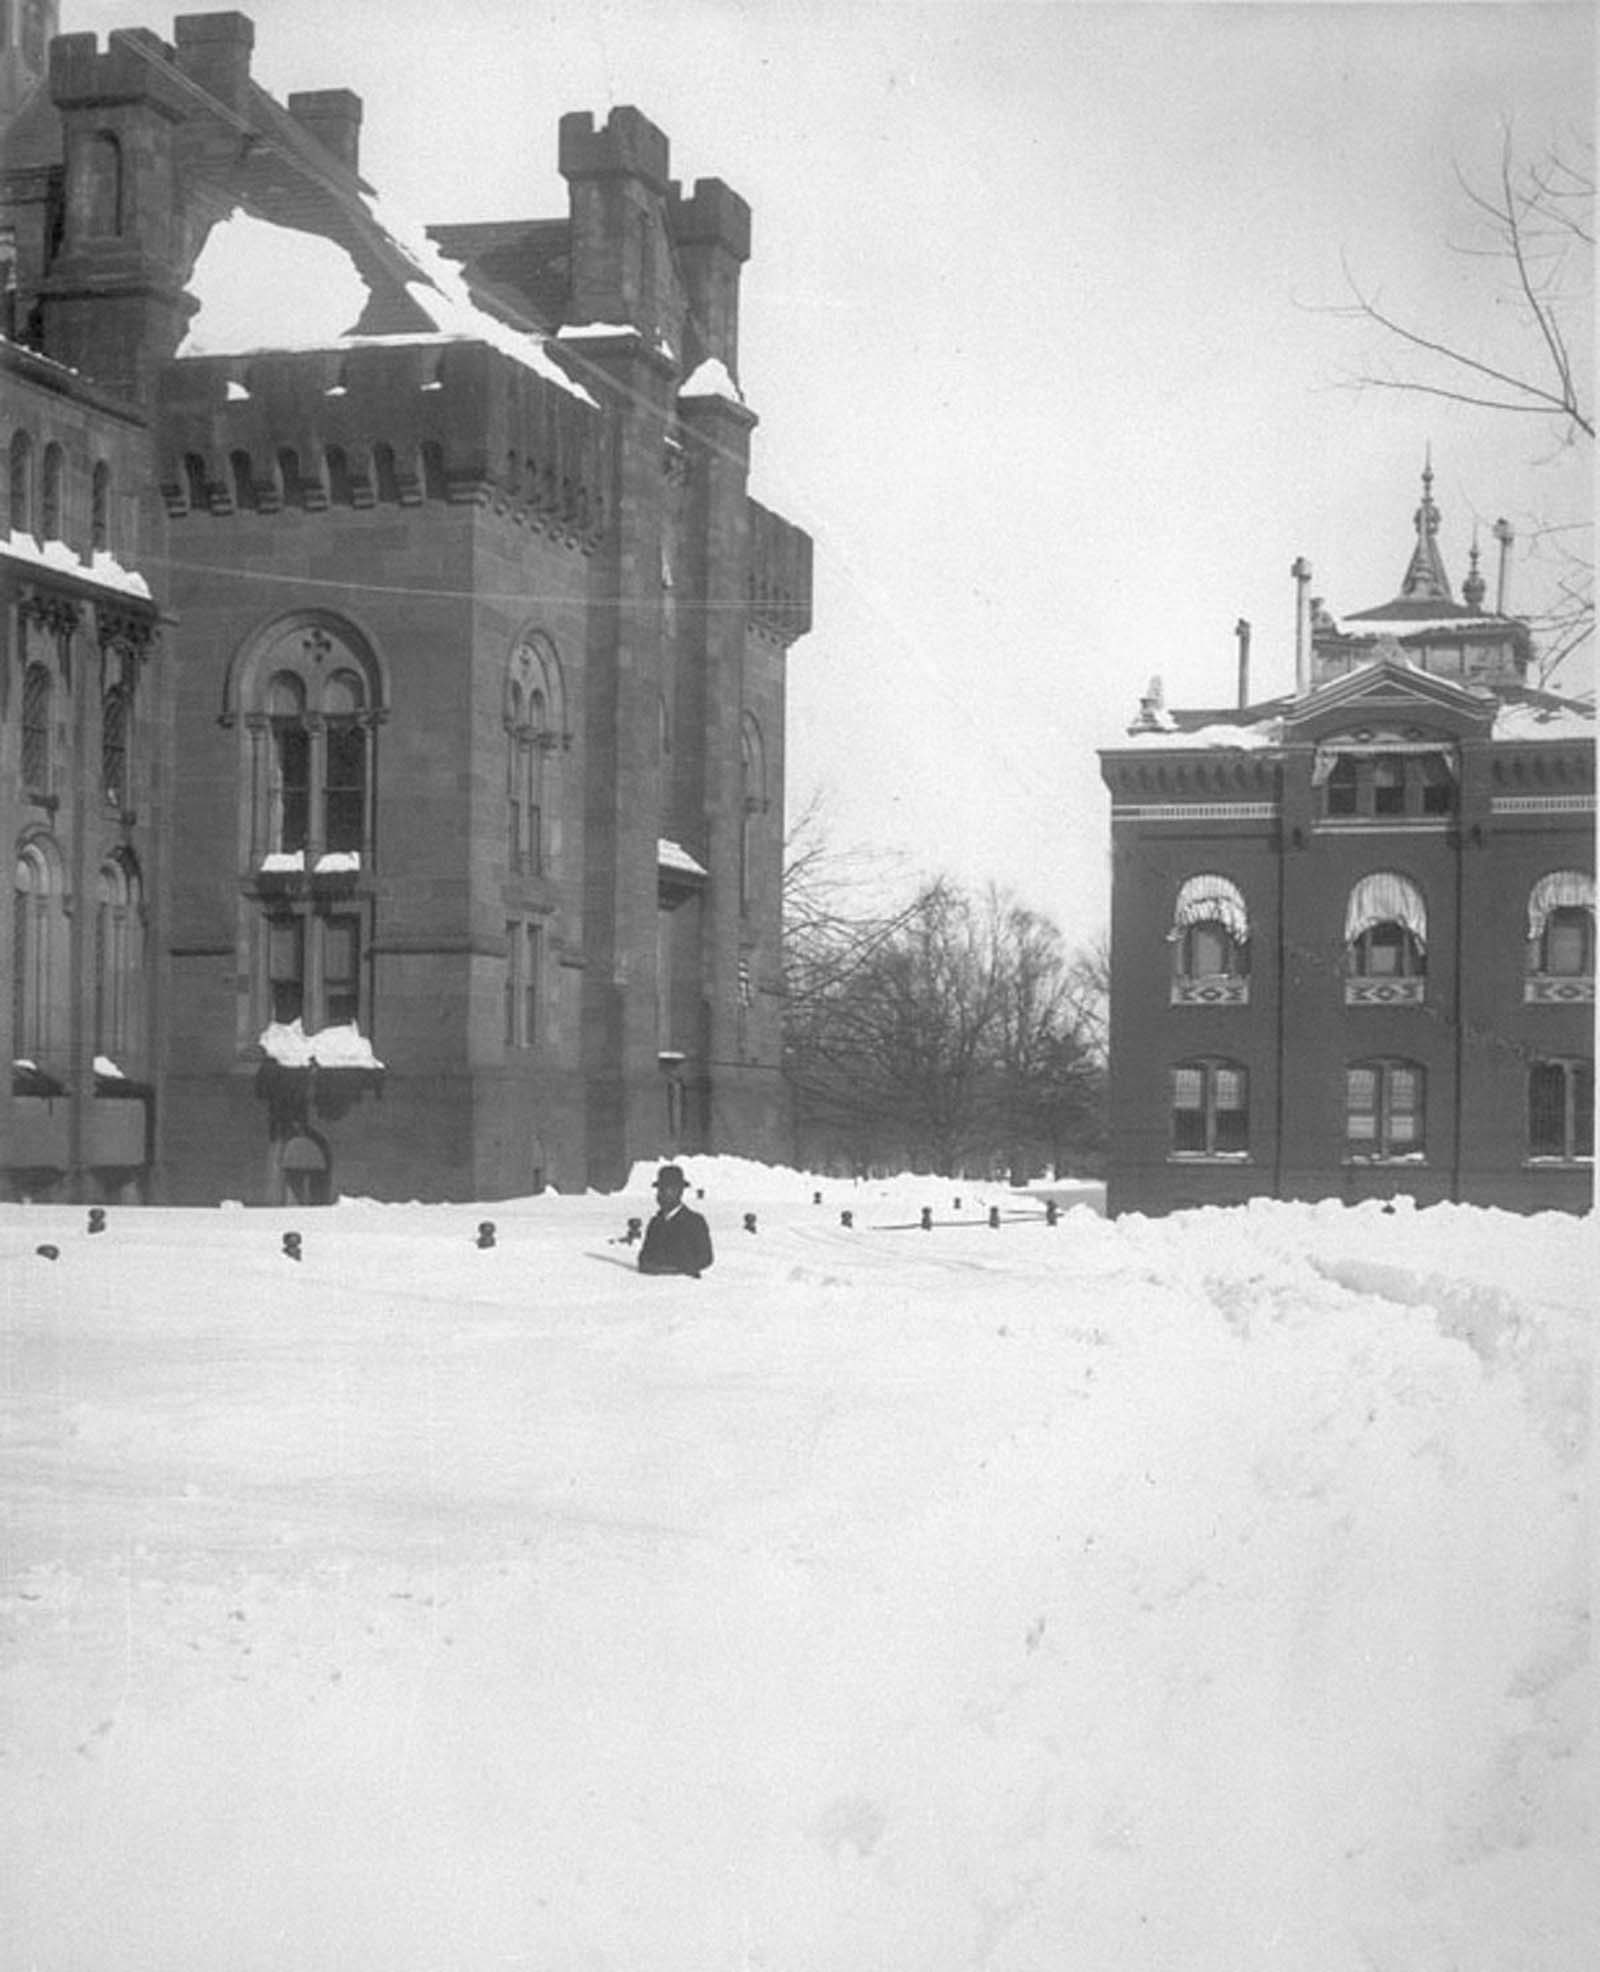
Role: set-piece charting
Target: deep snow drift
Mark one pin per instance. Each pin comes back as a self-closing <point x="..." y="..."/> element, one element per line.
<point x="1204" y="1594"/>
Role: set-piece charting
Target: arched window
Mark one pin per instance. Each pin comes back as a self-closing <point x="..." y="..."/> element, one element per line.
<point x="290" y="823"/>
<point x="102" y="204"/>
<point x="194" y="479"/>
<point x="100" y="509"/>
<point x="119" y="955"/>
<point x="21" y="478"/>
<point x="753" y="806"/>
<point x="1210" y="1109"/>
<point x="38" y="691"/>
<point x="1561" y="925"/>
<point x="345" y="777"/>
<point x="52" y="515"/>
<point x="1384" y="1109"/>
<point x="115" y="711"/>
<point x="1561" y="1110"/>
<point x="1386" y="940"/>
<point x="310" y="693"/>
<point x="244" y="485"/>
<point x="535" y="727"/>
<point x="38" y="930"/>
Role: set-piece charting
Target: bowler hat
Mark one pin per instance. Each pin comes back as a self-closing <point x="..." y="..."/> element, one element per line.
<point x="671" y="1174"/>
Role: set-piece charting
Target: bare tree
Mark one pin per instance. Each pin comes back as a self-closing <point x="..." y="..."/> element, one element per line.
<point x="1534" y="226"/>
<point x="943" y="1035"/>
<point x="1536" y="222"/>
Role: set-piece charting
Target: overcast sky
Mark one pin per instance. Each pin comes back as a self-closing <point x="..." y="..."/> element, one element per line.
<point x="1039" y="326"/>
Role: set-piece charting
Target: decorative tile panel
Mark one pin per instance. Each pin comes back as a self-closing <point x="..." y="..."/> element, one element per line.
<point x="1385" y="992"/>
<point x="1210" y="992"/>
<point x="1547" y="992"/>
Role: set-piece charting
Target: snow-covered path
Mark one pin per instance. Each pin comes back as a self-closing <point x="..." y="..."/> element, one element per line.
<point x="1205" y="1594"/>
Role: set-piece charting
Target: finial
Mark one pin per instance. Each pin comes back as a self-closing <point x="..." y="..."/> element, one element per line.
<point x="1474" y="588"/>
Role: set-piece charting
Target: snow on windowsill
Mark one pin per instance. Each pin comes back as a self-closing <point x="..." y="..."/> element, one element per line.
<point x="104" y="1065"/>
<point x="333" y="1047"/>
<point x="331" y="862"/>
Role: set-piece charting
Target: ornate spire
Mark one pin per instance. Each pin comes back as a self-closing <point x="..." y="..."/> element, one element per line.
<point x="1425" y="579"/>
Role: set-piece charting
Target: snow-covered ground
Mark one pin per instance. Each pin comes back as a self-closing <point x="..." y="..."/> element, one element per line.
<point x="1197" y="1595"/>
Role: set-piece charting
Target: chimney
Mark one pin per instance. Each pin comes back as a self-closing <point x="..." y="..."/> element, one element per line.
<point x="1242" y="631"/>
<point x="333" y="117"/>
<point x="1301" y="571"/>
<point x="1505" y="534"/>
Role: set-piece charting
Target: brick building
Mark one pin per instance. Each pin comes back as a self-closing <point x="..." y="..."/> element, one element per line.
<point x="415" y="711"/>
<point x="1353" y="930"/>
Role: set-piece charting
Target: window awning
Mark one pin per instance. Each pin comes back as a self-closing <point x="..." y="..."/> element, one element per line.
<point x="1386" y="897"/>
<point x="1560" y="890"/>
<point x="1327" y="757"/>
<point x="1211" y="899"/>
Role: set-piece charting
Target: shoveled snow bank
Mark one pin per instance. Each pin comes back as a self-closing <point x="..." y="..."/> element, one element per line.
<point x="1205" y="1593"/>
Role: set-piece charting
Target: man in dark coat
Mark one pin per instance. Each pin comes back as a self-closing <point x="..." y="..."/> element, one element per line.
<point x="677" y="1240"/>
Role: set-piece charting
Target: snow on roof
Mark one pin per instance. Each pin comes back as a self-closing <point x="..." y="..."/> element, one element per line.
<point x="1544" y="722"/>
<point x="1245" y="739"/>
<point x="673" y="856"/>
<point x="266" y="287"/>
<point x="711" y="379"/>
<point x="334" y="1047"/>
<point x="101" y="567"/>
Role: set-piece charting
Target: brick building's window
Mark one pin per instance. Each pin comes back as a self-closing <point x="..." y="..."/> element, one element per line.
<point x="1561" y="1110"/>
<point x="1386" y="783"/>
<point x="1210" y="1109"/>
<point x="1561" y="925"/>
<point x="1210" y="939"/>
<point x="1384" y="1112"/>
<point x="1386" y="941"/>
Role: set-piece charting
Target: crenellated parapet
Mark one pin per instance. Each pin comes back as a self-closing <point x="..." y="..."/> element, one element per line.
<point x="457" y="423"/>
<point x="780" y="575"/>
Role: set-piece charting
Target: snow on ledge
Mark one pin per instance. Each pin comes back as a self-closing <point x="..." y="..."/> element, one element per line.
<point x="265" y="288"/>
<point x="673" y="856"/>
<point x="712" y="379"/>
<point x="101" y="567"/>
<point x="333" y="1047"/>
<point x="1544" y="722"/>
<point x="104" y="1065"/>
<point x="1246" y="739"/>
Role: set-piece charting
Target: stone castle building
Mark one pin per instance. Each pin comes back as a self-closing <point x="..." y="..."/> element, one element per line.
<point x="1353" y="929"/>
<point x="392" y="728"/>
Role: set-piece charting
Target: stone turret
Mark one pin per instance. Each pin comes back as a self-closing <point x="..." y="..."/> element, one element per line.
<point x="112" y="304"/>
<point x="711" y="230"/>
<point x="617" y="180"/>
